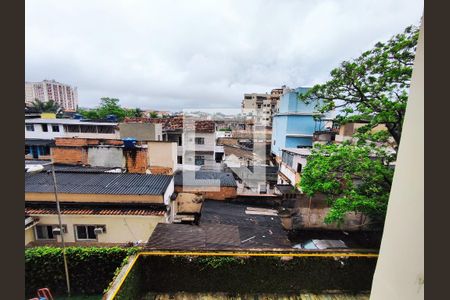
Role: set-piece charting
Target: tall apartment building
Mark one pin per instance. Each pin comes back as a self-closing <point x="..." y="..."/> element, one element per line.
<point x="63" y="94"/>
<point x="262" y="106"/>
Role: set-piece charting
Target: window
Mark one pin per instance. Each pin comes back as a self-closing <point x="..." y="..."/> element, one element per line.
<point x="55" y="128"/>
<point x="27" y="150"/>
<point x="179" y="159"/>
<point x="43" y="150"/>
<point x="105" y="129"/>
<point x="199" y="160"/>
<point x="45" y="232"/>
<point x="44" y="127"/>
<point x="274" y="142"/>
<point x="180" y="140"/>
<point x="299" y="168"/>
<point x="287" y="158"/>
<point x="29" y="127"/>
<point x="87" y="232"/>
<point x="199" y="141"/>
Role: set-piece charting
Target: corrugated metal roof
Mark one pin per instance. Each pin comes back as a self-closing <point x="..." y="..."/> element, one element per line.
<point x="98" y="183"/>
<point x="155" y="210"/>
<point x="208" y="178"/>
<point x="223" y="226"/>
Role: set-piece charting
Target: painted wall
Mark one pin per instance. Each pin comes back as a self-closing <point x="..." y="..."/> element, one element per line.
<point x="162" y="154"/>
<point x="141" y="131"/>
<point x="400" y="268"/>
<point x="119" y="229"/>
<point x="106" y="157"/>
<point x="295" y="118"/>
<point x="29" y="235"/>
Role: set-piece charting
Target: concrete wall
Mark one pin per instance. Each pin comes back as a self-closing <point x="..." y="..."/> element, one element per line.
<point x="29" y="235"/>
<point x="141" y="131"/>
<point x="162" y="154"/>
<point x="212" y="194"/>
<point x="189" y="141"/>
<point x="400" y="268"/>
<point x="119" y="229"/>
<point x="106" y="157"/>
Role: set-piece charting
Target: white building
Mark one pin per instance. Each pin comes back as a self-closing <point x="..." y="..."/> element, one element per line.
<point x="65" y="95"/>
<point x="49" y="129"/>
<point x="293" y="160"/>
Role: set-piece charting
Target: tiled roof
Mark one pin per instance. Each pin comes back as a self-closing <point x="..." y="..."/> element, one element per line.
<point x="67" y="209"/>
<point x="226" y="179"/>
<point x="177" y="123"/>
<point x="98" y="183"/>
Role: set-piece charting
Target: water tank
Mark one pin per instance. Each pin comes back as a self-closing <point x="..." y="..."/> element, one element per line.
<point x="129" y="142"/>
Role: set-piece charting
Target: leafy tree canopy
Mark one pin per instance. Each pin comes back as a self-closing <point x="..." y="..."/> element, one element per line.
<point x="372" y="88"/>
<point x="110" y="106"/>
<point x="354" y="178"/>
<point x="49" y="106"/>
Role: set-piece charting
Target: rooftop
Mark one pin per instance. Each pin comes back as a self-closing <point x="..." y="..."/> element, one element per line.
<point x="223" y="226"/>
<point x="95" y="209"/>
<point x="299" y="151"/>
<point x="98" y="183"/>
<point x="226" y="179"/>
<point x="66" y="122"/>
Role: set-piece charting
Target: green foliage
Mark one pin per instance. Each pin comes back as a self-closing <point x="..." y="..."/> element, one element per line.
<point x="168" y="274"/>
<point x="49" y="106"/>
<point x="219" y="261"/>
<point x="372" y="88"/>
<point x="90" y="268"/>
<point x="153" y="114"/>
<point x="355" y="179"/>
<point x="110" y="106"/>
<point x="225" y="129"/>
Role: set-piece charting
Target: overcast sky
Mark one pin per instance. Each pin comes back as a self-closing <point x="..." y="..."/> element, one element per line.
<point x="171" y="55"/>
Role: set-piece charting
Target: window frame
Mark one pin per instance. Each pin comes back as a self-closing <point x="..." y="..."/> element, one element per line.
<point x="29" y="127"/>
<point x="64" y="226"/>
<point x="44" y="127"/>
<point x="55" y="126"/>
<point x="197" y="139"/>
<point x="75" y="232"/>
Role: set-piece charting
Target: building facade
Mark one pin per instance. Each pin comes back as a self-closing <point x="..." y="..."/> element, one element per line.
<point x="64" y="95"/>
<point x="295" y="123"/>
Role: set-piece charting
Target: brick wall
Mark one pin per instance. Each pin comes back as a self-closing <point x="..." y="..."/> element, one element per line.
<point x="70" y="155"/>
<point x="161" y="170"/>
<point x="223" y="194"/>
<point x="136" y="160"/>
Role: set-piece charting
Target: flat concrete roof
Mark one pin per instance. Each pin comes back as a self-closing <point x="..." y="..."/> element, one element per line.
<point x="67" y="122"/>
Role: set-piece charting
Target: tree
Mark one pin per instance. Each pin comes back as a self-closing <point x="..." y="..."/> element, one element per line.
<point x="372" y="88"/>
<point x="110" y="106"/>
<point x="153" y="114"/>
<point x="49" y="106"/>
<point x="354" y="178"/>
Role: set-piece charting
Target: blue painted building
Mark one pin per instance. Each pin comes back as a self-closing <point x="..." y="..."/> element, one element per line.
<point x="294" y="124"/>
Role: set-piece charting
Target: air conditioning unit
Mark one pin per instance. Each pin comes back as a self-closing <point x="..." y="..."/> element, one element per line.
<point x="98" y="230"/>
<point x="56" y="231"/>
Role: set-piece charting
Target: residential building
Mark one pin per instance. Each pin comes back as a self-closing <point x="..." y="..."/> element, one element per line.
<point x="41" y="133"/>
<point x="196" y="139"/>
<point x="64" y="95"/>
<point x="261" y="107"/>
<point x="292" y="162"/>
<point x="49" y="129"/>
<point x="92" y="224"/>
<point x="293" y="126"/>
<point x="155" y="157"/>
<point x="97" y="207"/>
<point x="141" y="131"/>
<point x="212" y="185"/>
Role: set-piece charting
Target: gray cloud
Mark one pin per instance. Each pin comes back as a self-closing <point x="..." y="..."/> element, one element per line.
<point x="189" y="54"/>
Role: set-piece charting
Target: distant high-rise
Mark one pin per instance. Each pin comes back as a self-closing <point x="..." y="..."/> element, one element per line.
<point x="63" y="94"/>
